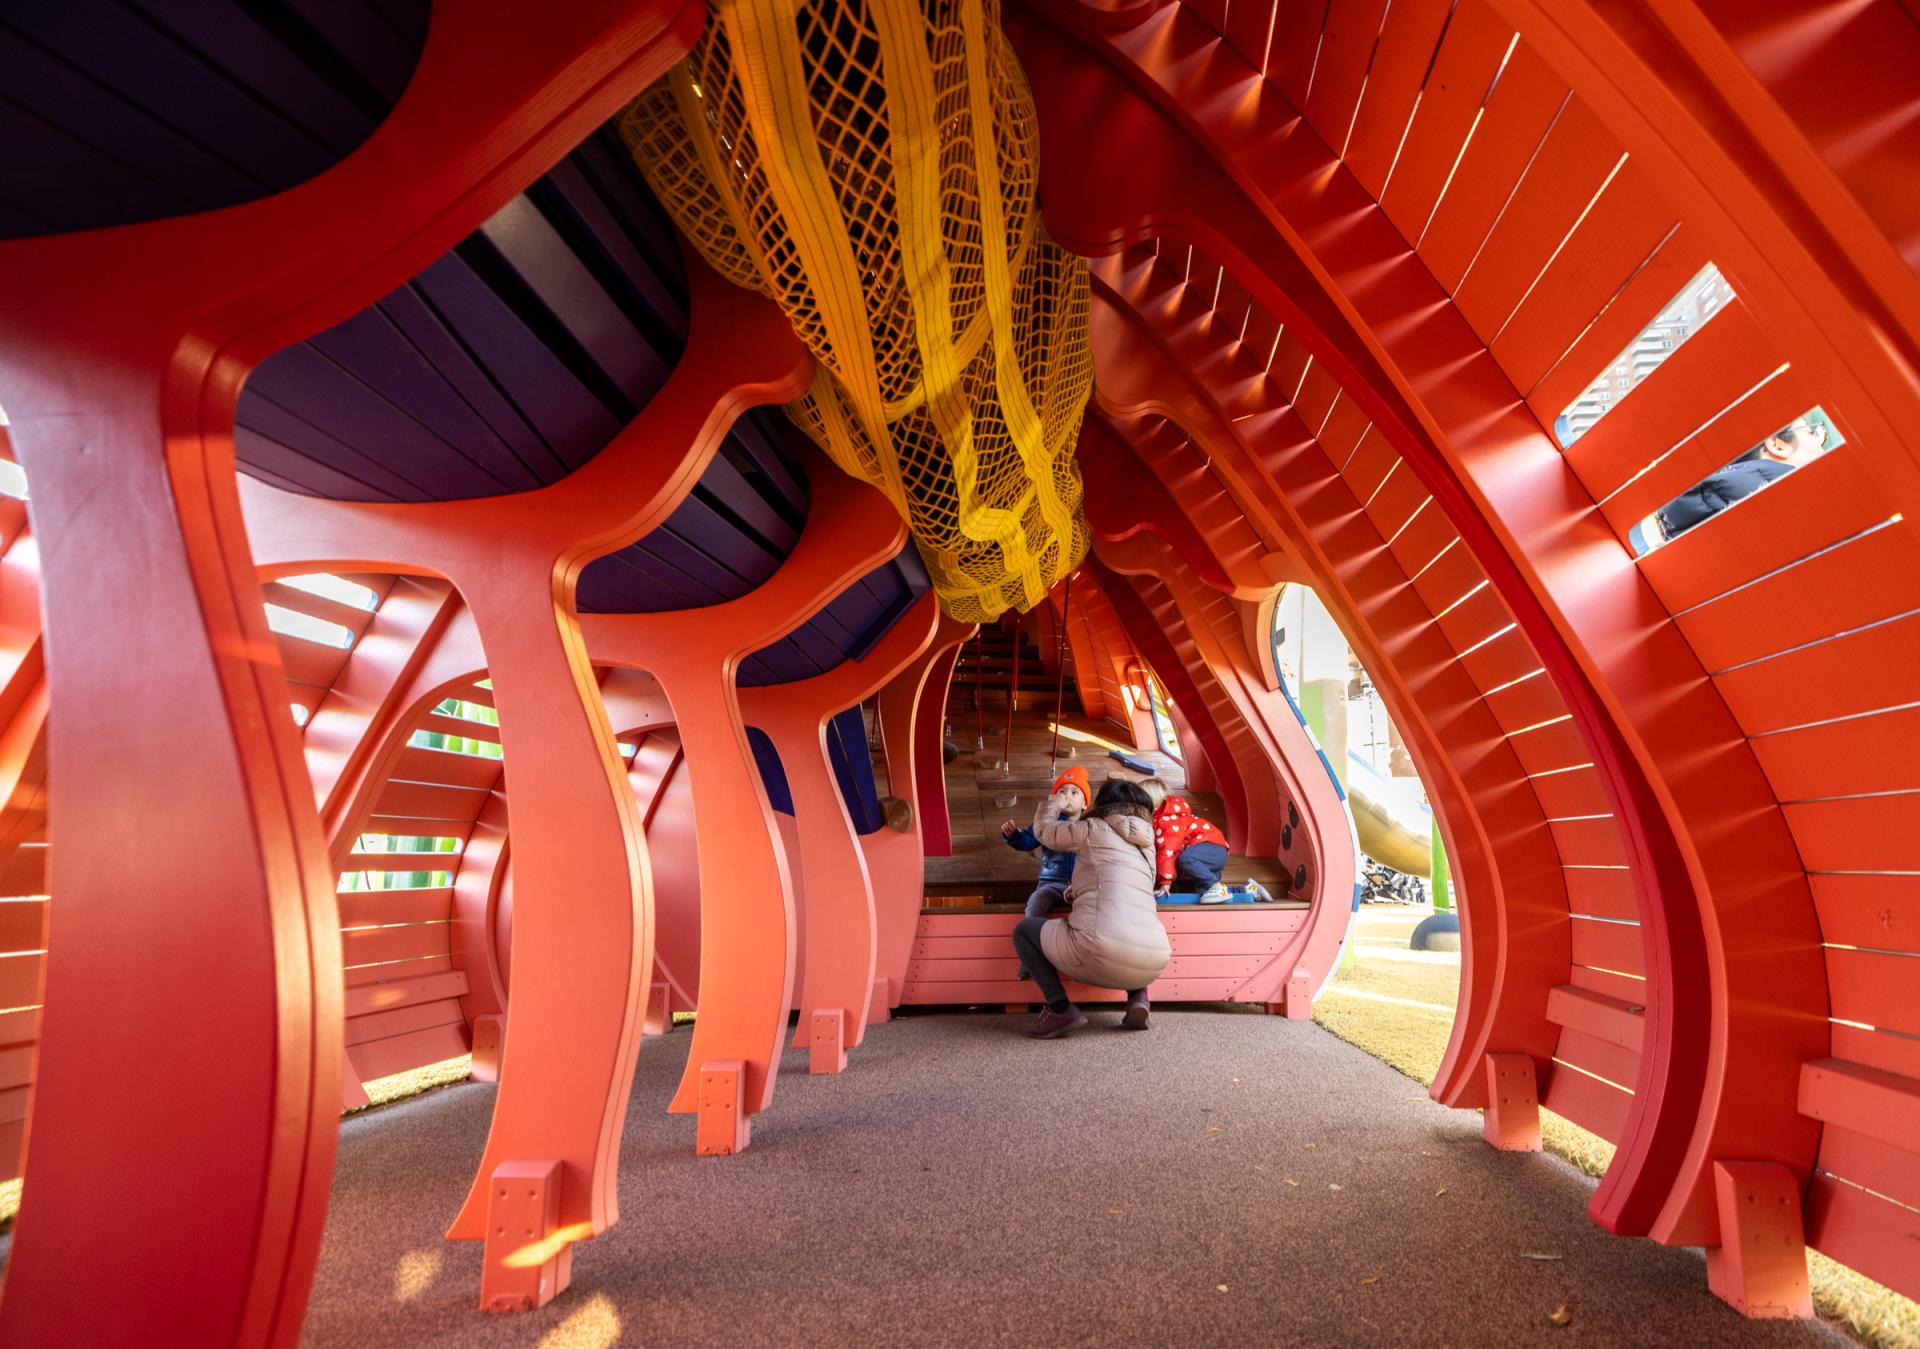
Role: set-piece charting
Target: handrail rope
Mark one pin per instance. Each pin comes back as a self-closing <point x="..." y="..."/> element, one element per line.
<point x="1013" y="697"/>
<point x="1060" y="658"/>
<point x="979" y="672"/>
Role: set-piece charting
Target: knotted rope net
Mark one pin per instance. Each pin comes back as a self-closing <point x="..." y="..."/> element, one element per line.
<point x="871" y="165"/>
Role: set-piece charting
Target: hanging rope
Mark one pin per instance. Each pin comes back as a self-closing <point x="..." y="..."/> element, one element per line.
<point x="1060" y="658"/>
<point x="1013" y="696"/>
<point x="873" y="166"/>
<point x="979" y="713"/>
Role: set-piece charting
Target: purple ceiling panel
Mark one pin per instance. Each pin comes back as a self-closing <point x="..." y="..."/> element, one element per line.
<point x="203" y="115"/>
<point x="783" y="663"/>
<point x="96" y="115"/>
<point x="736" y="495"/>
<point x="386" y="58"/>
<point x="511" y="449"/>
<point x="693" y="576"/>
<point x="582" y="306"/>
<point x="266" y="427"/>
<point x="283" y="465"/>
<point x="603" y="238"/>
<point x="730" y="542"/>
<point x="135" y="110"/>
<point x="371" y="348"/>
<point x="516" y="357"/>
<point x="312" y="101"/>
<point x="553" y="400"/>
<point x="846" y="629"/>
<point x="51" y="172"/>
<point x="377" y="429"/>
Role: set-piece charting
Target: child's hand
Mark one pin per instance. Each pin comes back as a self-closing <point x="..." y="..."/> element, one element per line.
<point x="1162" y="891"/>
<point x="1006" y="830"/>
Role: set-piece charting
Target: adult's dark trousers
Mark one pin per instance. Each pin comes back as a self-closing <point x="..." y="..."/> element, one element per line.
<point x="1026" y="945"/>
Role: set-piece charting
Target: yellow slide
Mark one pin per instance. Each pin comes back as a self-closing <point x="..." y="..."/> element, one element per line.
<point x="1392" y="818"/>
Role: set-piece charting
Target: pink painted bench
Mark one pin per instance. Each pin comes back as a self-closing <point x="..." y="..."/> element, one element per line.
<point x="1221" y="953"/>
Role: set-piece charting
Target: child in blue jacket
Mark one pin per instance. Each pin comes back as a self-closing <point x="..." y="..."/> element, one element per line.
<point x="1056" y="868"/>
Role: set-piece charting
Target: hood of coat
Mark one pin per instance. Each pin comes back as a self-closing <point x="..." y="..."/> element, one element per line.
<point x="1130" y="822"/>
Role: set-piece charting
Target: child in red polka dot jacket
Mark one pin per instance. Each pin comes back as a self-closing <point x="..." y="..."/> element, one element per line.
<point x="1189" y="853"/>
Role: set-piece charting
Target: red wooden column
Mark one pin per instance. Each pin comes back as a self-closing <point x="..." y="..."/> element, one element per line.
<point x="909" y="738"/>
<point x="227" y="966"/>
<point x="746" y="894"/>
<point x="836" y="983"/>
<point x="929" y="756"/>
<point x="198" y="922"/>
<point x="1287" y="762"/>
<point x="583" y="942"/>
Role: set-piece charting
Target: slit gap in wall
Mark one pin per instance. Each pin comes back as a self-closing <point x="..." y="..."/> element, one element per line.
<point x="1704" y="295"/>
<point x="306" y="628"/>
<point x="336" y="588"/>
<point x="1781" y="453"/>
<point x="454" y="744"/>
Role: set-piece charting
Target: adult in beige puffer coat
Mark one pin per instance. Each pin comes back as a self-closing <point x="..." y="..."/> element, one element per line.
<point x="1113" y="937"/>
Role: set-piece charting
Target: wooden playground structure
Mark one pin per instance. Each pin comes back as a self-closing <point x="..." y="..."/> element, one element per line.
<point x="478" y="582"/>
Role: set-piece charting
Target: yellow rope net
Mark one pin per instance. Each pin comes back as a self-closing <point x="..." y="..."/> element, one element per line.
<point x="871" y="165"/>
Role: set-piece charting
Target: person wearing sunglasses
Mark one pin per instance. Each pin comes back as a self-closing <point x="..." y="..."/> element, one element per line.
<point x="1793" y="446"/>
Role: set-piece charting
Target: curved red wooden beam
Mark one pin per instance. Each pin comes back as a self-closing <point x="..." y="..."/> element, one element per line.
<point x="1251" y="183"/>
<point x="1274" y="756"/>
<point x="1515" y="926"/>
<point x="911" y="715"/>
<point x="583" y="921"/>
<point x="1154" y="642"/>
<point x="746" y="889"/>
<point x="839" y="927"/>
<point x="121" y="355"/>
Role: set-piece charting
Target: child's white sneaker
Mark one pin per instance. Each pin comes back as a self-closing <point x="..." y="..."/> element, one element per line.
<point x="1215" y="894"/>
<point x="1259" y="892"/>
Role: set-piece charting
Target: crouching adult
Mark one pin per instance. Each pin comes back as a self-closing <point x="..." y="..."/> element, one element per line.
<point x="1113" y="937"/>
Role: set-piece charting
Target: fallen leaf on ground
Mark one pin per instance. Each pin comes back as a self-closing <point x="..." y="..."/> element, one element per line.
<point x="1236" y="1079"/>
<point x="1219" y="1288"/>
<point x="1437" y="1193"/>
<point x="1116" y="1210"/>
<point x="1562" y="1315"/>
<point x="1539" y="1255"/>
<point x="1333" y="1187"/>
<point x="1291" y="1181"/>
<point x="1309" y="1145"/>
<point x="1213" y="1128"/>
<point x="1371" y="1279"/>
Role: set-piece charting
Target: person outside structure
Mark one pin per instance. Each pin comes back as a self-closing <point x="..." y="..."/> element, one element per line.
<point x="1190" y="853"/>
<point x="1793" y="446"/>
<point x="1112" y="937"/>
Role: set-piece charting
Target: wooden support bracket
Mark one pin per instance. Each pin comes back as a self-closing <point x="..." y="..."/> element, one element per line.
<point x="659" y="1016"/>
<point x="489" y="1032"/>
<point x="1513" y="1103"/>
<point x="827" y="1048"/>
<point x="528" y="1263"/>
<point x="1299" y="997"/>
<point x="352" y="1094"/>
<point x="879" y="1006"/>
<point x="1760" y="1266"/>
<point x="724" y="1126"/>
